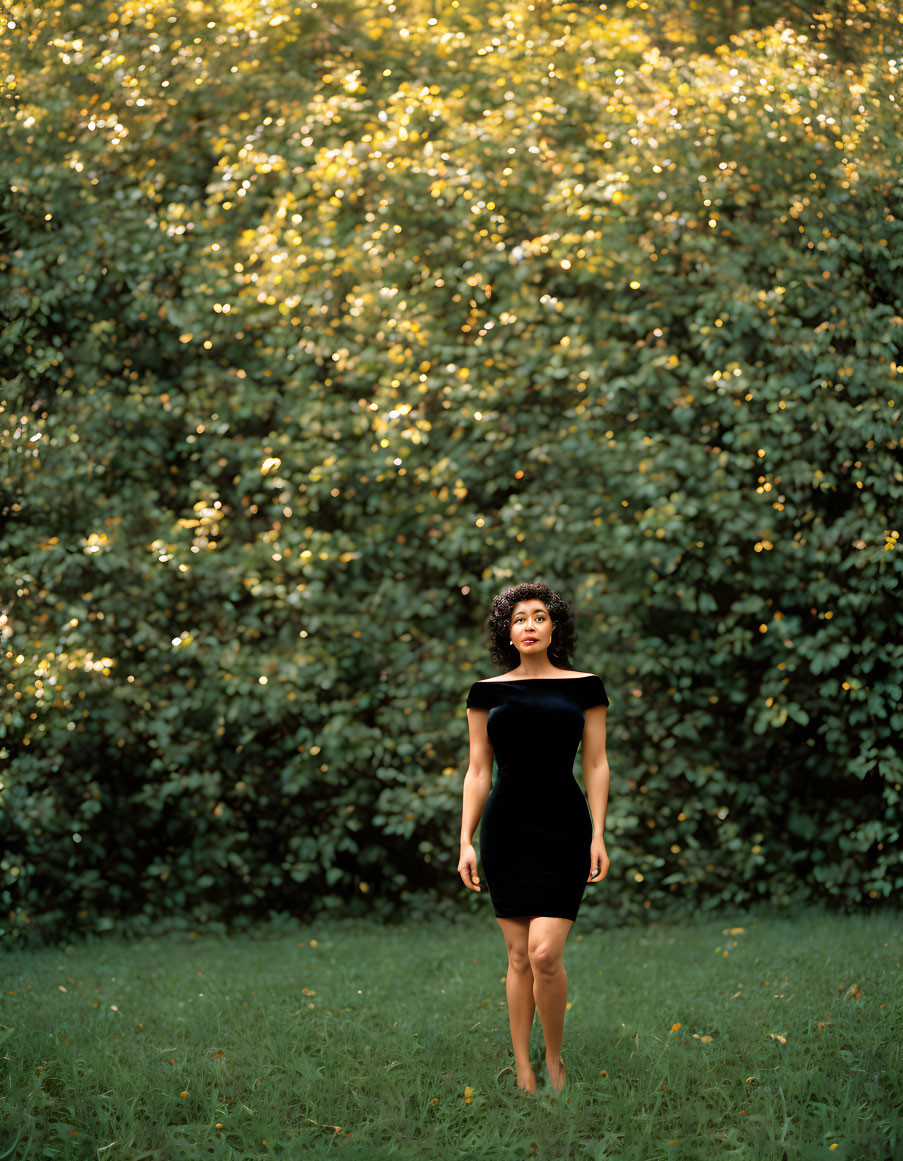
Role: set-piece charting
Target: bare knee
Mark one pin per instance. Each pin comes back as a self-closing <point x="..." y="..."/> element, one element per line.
<point x="518" y="958"/>
<point x="545" y="959"/>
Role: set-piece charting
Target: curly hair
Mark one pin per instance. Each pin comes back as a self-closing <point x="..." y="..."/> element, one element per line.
<point x="502" y="652"/>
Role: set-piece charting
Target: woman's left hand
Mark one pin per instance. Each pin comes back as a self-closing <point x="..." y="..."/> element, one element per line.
<point x="598" y="860"/>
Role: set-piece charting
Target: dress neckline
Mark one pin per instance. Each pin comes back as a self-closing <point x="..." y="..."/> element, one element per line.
<point x="515" y="680"/>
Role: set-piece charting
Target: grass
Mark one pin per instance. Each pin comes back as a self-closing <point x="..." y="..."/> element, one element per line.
<point x="780" y="1039"/>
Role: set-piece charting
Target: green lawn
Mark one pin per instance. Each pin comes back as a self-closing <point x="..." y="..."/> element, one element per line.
<point x="779" y="1039"/>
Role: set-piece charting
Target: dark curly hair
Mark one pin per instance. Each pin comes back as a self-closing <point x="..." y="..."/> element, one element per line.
<point x="502" y="652"/>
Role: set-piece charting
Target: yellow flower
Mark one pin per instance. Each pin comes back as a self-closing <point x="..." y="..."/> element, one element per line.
<point x="468" y="1094"/>
<point x="674" y="1027"/>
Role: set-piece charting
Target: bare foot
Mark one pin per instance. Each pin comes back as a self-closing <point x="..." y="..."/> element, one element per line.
<point x="526" y="1081"/>
<point x="556" y="1073"/>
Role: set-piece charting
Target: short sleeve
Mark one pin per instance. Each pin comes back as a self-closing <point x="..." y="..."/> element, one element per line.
<point x="481" y="695"/>
<point x="593" y="692"/>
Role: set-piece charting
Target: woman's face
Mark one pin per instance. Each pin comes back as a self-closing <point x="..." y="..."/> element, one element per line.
<point x="531" y="627"/>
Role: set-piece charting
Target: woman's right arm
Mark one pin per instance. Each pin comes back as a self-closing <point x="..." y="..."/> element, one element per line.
<point x="477" y="785"/>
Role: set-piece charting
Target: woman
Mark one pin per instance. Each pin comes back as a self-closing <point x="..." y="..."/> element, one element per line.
<point x="539" y="844"/>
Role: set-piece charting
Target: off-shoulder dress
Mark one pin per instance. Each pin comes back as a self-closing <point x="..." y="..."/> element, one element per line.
<point x="536" y="827"/>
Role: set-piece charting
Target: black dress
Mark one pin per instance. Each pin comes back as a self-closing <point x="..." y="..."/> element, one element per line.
<point x="536" y="827"/>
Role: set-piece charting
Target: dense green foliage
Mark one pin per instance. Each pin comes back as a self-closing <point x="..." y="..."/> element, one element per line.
<point x="321" y="326"/>
<point x="778" y="1038"/>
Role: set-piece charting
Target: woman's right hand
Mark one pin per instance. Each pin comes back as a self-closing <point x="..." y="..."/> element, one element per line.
<point x="467" y="867"/>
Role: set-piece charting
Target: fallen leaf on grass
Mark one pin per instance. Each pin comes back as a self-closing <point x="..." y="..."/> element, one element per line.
<point x="335" y="1128"/>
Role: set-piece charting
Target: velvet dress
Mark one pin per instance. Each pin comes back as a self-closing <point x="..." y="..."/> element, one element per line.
<point x="536" y="827"/>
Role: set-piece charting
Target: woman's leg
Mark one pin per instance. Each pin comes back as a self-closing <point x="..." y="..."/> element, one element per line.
<point x="519" y="991"/>
<point x="545" y="947"/>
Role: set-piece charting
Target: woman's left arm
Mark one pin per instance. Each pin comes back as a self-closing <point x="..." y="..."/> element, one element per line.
<point x="596" y="777"/>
